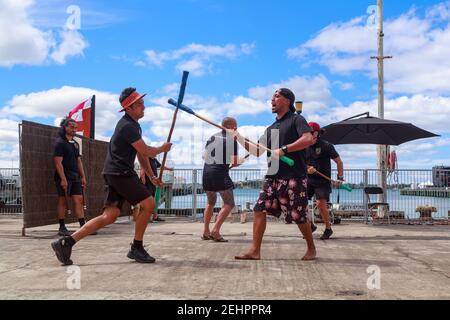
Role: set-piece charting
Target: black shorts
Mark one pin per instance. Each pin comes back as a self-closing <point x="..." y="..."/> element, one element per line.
<point x="322" y="192"/>
<point x="119" y="189"/>
<point x="216" y="180"/>
<point x="74" y="188"/>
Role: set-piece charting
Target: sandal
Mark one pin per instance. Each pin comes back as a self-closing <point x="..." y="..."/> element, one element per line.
<point x="246" y="257"/>
<point x="221" y="239"/>
<point x="207" y="237"/>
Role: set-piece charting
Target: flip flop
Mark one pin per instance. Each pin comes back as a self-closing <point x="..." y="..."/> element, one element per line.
<point x="221" y="239"/>
<point x="245" y="258"/>
<point x="207" y="238"/>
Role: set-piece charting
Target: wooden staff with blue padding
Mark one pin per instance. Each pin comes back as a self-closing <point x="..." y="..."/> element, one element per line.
<point x="169" y="138"/>
<point x="285" y="159"/>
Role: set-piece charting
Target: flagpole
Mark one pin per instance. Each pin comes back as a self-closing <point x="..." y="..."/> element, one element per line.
<point x="92" y="133"/>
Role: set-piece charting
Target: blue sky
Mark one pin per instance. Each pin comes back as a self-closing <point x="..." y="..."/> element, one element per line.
<point x="238" y="53"/>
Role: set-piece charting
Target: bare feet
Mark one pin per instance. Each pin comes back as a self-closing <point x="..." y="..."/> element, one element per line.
<point x="248" y="256"/>
<point x="310" y="255"/>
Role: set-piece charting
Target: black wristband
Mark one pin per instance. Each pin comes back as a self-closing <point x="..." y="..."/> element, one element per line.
<point x="285" y="149"/>
<point x="340" y="178"/>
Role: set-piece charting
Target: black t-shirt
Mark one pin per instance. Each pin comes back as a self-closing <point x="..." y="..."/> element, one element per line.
<point x="121" y="154"/>
<point x="285" y="131"/>
<point x="70" y="152"/>
<point x="218" y="152"/>
<point x="319" y="156"/>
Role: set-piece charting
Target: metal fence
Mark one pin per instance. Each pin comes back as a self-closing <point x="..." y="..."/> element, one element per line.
<point x="10" y="191"/>
<point x="409" y="192"/>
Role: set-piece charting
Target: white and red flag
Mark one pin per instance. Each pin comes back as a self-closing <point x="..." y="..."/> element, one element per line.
<point x="83" y="114"/>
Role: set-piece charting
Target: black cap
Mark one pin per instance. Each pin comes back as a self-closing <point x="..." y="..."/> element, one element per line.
<point x="288" y="94"/>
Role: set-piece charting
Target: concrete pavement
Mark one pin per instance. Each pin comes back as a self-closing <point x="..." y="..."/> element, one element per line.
<point x="413" y="263"/>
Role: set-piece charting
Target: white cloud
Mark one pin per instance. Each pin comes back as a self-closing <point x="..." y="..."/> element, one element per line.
<point x="195" y="66"/>
<point x="247" y="48"/>
<point x="190" y="135"/>
<point x="154" y="58"/>
<point x="21" y="42"/>
<point x="160" y="118"/>
<point x="412" y="155"/>
<point x="9" y="148"/>
<point x="53" y="14"/>
<point x="246" y="106"/>
<point x="72" y="45"/>
<point x="440" y="11"/>
<point x="299" y="52"/>
<point x="198" y="58"/>
<point x="9" y="131"/>
<point x="315" y="92"/>
<point x="52" y="104"/>
<point x="344" y="86"/>
<point x="140" y="63"/>
<point x="56" y="103"/>
<point x="330" y="39"/>
<point x="429" y="113"/>
<point x="420" y="46"/>
<point x="170" y="89"/>
<point x="443" y="142"/>
<point x="9" y="156"/>
<point x="357" y="156"/>
<point x="254" y="133"/>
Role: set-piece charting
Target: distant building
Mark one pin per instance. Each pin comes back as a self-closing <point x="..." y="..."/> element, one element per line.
<point x="441" y="176"/>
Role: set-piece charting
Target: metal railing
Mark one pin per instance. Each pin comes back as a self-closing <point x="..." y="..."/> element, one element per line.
<point x="410" y="193"/>
<point x="10" y="191"/>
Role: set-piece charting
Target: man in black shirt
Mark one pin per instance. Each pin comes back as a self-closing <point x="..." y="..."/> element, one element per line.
<point x="69" y="174"/>
<point x="221" y="151"/>
<point x="122" y="182"/>
<point x="319" y="156"/>
<point x="284" y="190"/>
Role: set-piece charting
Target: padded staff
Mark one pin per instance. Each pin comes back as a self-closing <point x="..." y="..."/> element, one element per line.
<point x="344" y="186"/>
<point x="285" y="159"/>
<point x="169" y="138"/>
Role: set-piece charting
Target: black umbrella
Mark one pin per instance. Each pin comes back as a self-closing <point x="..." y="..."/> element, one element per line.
<point x="372" y="130"/>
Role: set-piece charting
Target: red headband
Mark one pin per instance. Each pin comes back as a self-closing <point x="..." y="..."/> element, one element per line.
<point x="132" y="98"/>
